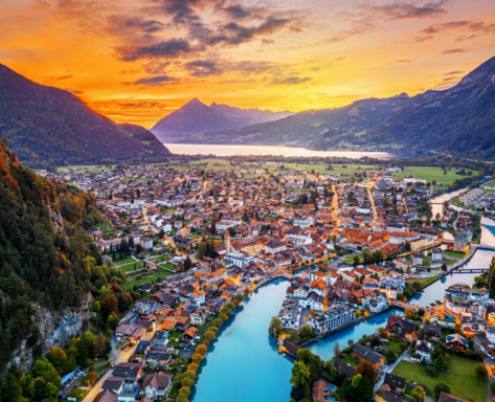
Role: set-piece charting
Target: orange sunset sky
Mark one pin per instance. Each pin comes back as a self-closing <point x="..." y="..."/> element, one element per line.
<point x="136" y="61"/>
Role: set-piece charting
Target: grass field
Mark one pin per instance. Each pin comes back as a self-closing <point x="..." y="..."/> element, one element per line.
<point x="461" y="377"/>
<point x="124" y="261"/>
<point x="425" y="281"/>
<point x="433" y="174"/>
<point x="334" y="169"/>
<point x="168" y="266"/>
<point x="86" y="168"/>
<point x="395" y="347"/>
<point x="132" y="266"/>
<point x="451" y="257"/>
<point x="150" y="278"/>
<point x="213" y="165"/>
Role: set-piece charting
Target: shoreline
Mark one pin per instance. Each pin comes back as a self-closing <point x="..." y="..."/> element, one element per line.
<point x="390" y="307"/>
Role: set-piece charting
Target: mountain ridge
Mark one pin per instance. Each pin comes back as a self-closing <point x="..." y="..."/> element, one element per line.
<point x="457" y="120"/>
<point x="45" y="125"/>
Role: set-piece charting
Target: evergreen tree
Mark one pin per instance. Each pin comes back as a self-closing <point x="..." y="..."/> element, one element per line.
<point x="491" y="278"/>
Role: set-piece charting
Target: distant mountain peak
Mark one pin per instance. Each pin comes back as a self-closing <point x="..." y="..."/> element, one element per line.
<point x="195" y="102"/>
<point x="196" y="117"/>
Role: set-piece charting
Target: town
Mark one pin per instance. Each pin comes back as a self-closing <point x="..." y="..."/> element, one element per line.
<point x="194" y="239"/>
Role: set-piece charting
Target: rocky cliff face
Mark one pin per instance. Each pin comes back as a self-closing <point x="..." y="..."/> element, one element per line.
<point x="56" y="328"/>
<point x="44" y="281"/>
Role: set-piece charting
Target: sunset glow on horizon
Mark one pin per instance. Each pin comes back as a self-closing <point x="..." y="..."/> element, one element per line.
<point x="143" y="59"/>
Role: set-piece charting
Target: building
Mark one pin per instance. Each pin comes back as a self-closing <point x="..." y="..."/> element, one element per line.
<point x="157" y="386"/>
<point x="365" y="354"/>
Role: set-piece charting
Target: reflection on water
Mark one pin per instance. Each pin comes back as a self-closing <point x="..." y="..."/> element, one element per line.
<point x="266" y="150"/>
<point x="326" y="347"/>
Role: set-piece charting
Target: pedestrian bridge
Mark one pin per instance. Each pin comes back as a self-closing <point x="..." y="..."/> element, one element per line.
<point x="405" y="306"/>
<point x="485" y="247"/>
<point x="470" y="270"/>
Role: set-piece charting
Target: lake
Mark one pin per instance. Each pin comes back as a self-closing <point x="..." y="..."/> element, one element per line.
<point x="267" y="150"/>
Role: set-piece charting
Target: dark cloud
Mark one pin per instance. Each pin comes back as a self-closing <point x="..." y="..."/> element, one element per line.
<point x="207" y="67"/>
<point x="228" y="30"/>
<point x="118" y="23"/>
<point x="181" y="10"/>
<point x="454" y="50"/>
<point x="167" y="49"/>
<point x="290" y="80"/>
<point x="154" y="80"/>
<point x="235" y="34"/>
<point x="468" y="29"/>
<point x="237" y="11"/>
<point x="155" y="66"/>
<point x="203" y="68"/>
<point x="408" y="9"/>
<point x="237" y="25"/>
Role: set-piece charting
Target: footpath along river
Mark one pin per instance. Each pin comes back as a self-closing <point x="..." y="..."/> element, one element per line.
<point x="244" y="365"/>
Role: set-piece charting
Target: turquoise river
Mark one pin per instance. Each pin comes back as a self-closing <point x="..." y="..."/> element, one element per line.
<point x="244" y="366"/>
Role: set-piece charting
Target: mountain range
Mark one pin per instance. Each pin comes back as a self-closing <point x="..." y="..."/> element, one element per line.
<point x="459" y="120"/>
<point x="195" y="118"/>
<point x="50" y="126"/>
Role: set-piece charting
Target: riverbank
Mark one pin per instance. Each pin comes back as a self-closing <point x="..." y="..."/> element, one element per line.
<point x="391" y="307"/>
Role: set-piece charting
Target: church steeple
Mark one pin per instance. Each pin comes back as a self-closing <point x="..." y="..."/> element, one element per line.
<point x="226" y="242"/>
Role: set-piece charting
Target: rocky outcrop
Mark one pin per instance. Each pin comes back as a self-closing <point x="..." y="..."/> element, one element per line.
<point x="56" y="328"/>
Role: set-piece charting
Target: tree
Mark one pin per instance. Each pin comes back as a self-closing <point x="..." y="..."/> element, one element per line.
<point x="91" y="378"/>
<point x="359" y="389"/>
<point x="201" y="348"/>
<point x="300" y="374"/>
<point x="491" y="278"/>
<point x="367" y="370"/>
<point x="276" y="327"/>
<point x="187" y="264"/>
<point x="109" y="304"/>
<point x="441" y="387"/>
<point x="306" y="332"/>
<point x="418" y="394"/>
<point x="59" y="359"/>
<point x="10" y="389"/>
<point x="43" y="368"/>
<point x="101" y="345"/>
<point x="481" y="371"/>
<point x="209" y="336"/>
